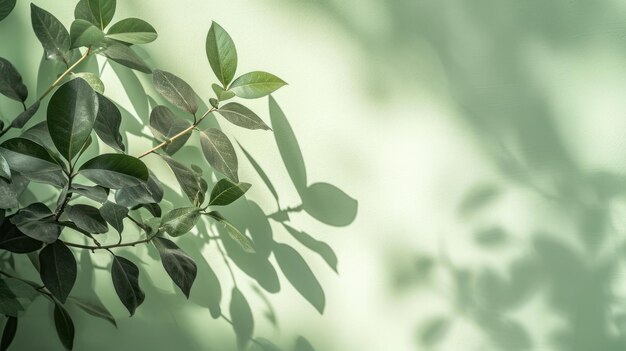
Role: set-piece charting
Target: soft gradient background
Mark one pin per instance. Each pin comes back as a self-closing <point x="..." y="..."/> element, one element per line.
<point x="484" y="141"/>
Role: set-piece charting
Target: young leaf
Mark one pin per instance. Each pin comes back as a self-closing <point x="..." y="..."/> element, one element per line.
<point x="114" y="214"/>
<point x="51" y="33"/>
<point x="241" y="317"/>
<point x="58" y="269"/>
<point x="115" y="171"/>
<point x="10" y="328"/>
<point x="299" y="275"/>
<point x="87" y="218"/>
<point x="72" y="112"/>
<point x="132" y="31"/>
<point x="225" y="192"/>
<point x="103" y="11"/>
<point x="107" y="125"/>
<point x="178" y="265"/>
<point x="221" y="93"/>
<point x="95" y="308"/>
<point x="125" y="276"/>
<point x="125" y="56"/>
<point x="92" y="79"/>
<point x="84" y="33"/>
<point x="175" y="90"/>
<point x="220" y="153"/>
<point x="164" y="125"/>
<point x="221" y="52"/>
<point x="64" y="326"/>
<point x="321" y="248"/>
<point x="256" y="84"/>
<point x="23" y="118"/>
<point x="242" y="116"/>
<point x="180" y="221"/>
<point x="190" y="181"/>
<point x="6" y="6"/>
<point x="11" y="84"/>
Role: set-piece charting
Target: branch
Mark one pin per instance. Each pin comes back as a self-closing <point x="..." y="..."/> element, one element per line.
<point x="112" y="246"/>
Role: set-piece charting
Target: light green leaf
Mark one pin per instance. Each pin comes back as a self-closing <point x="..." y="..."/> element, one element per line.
<point x="125" y="56"/>
<point x="107" y="125"/>
<point x="242" y="116"/>
<point x="6" y="6"/>
<point x="11" y="84"/>
<point x="92" y="79"/>
<point x="221" y="52"/>
<point x="51" y="33"/>
<point x="103" y="11"/>
<point x="165" y="124"/>
<point x="115" y="171"/>
<point x="84" y="33"/>
<point x="180" y="221"/>
<point x="255" y="85"/>
<point x="220" y="153"/>
<point x="175" y="90"/>
<point x="132" y="31"/>
<point x="72" y="111"/>
<point x="222" y="95"/>
<point x="225" y="192"/>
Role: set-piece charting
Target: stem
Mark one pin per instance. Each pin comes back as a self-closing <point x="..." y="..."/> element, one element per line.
<point x="112" y="246"/>
<point x="169" y="141"/>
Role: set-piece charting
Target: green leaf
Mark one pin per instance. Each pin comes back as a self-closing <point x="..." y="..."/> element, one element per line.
<point x="299" y="275"/>
<point x="256" y="84"/>
<point x="92" y="79"/>
<point x="241" y="317"/>
<point x="84" y="33"/>
<point x="145" y="193"/>
<point x="302" y="344"/>
<point x="242" y="116"/>
<point x="221" y="52"/>
<point x="95" y="193"/>
<point x="64" y="326"/>
<point x="10" y="327"/>
<point x="95" y="308"/>
<point x="5" y="171"/>
<point x="6" y="6"/>
<point x="32" y="160"/>
<point x="15" y="296"/>
<point x="11" y="84"/>
<point x="114" y="214"/>
<point x="220" y="153"/>
<point x="180" y="221"/>
<point x="103" y="11"/>
<point x="72" y="112"/>
<point x="132" y="31"/>
<point x="321" y="248"/>
<point x="225" y="192"/>
<point x="23" y="118"/>
<point x="164" y="125"/>
<point x="51" y="33"/>
<point x="115" y="171"/>
<point x="125" y="56"/>
<point x="37" y="221"/>
<point x="107" y="125"/>
<point x="87" y="218"/>
<point x="13" y="240"/>
<point x="58" y="269"/>
<point x="222" y="95"/>
<point x="125" y="276"/>
<point x="178" y="265"/>
<point x="175" y="90"/>
<point x="83" y="11"/>
<point x="190" y="181"/>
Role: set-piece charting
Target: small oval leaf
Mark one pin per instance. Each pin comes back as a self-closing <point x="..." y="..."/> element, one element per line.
<point x="221" y="52"/>
<point x="256" y="84"/>
<point x="220" y="153"/>
<point x="242" y="116"/>
<point x="132" y="31"/>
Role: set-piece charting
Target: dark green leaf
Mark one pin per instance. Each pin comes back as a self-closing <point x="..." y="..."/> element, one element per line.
<point x="11" y="84"/>
<point x="13" y="240"/>
<point x="72" y="111"/>
<point x="164" y="125"/>
<point x="115" y="171"/>
<point x="225" y="192"/>
<point x="36" y="220"/>
<point x="25" y="116"/>
<point x="125" y="56"/>
<point x="114" y="214"/>
<point x="180" y="221"/>
<point x="107" y="125"/>
<point x="84" y="33"/>
<point x="32" y="160"/>
<point x="242" y="116"/>
<point x="222" y="95"/>
<point x="10" y="327"/>
<point x="5" y="171"/>
<point x="288" y="146"/>
<point x="64" y="326"/>
<point x="321" y="248"/>
<point x="132" y="31"/>
<point x="15" y="296"/>
<point x="221" y="52"/>
<point x="96" y="193"/>
<point x="125" y="275"/>
<point x="241" y="317"/>
<point x="178" y="265"/>
<point x="103" y="11"/>
<point x="145" y="193"/>
<point x="190" y="181"/>
<point x="82" y="11"/>
<point x="329" y="204"/>
<point x="95" y="308"/>
<point x="302" y="344"/>
<point x="299" y="275"/>
<point x="220" y="153"/>
<point x="87" y="218"/>
<point x="58" y="269"/>
<point x="6" y="6"/>
<point x="51" y="33"/>
<point x="92" y="79"/>
<point x="256" y="84"/>
<point x="175" y="90"/>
